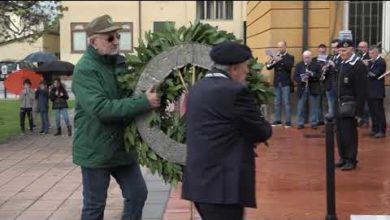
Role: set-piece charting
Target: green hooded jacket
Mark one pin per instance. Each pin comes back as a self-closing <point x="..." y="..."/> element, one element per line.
<point x="101" y="112"/>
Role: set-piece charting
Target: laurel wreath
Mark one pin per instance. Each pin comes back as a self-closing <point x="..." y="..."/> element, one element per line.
<point x="166" y="118"/>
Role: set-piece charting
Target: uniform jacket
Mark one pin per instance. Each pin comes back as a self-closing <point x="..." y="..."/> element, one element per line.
<point x="59" y="97"/>
<point x="282" y="70"/>
<point x="27" y="98"/>
<point x="101" y="112"/>
<point x="376" y="88"/>
<point x="314" y="83"/>
<point x="223" y="124"/>
<point x="352" y="82"/>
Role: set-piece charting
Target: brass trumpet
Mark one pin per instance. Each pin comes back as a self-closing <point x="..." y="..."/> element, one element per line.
<point x="274" y="58"/>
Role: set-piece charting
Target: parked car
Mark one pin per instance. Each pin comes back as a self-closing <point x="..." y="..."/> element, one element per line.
<point x="13" y="65"/>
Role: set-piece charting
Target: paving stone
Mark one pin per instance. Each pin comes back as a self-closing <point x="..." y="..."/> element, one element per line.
<point x="34" y="215"/>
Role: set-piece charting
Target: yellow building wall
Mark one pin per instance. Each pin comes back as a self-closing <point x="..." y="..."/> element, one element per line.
<point x="180" y="12"/>
<point x="51" y="43"/>
<point x="269" y="22"/>
<point x="19" y="50"/>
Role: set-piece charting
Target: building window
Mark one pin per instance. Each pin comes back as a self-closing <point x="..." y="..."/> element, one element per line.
<point x="365" y="21"/>
<point x="79" y="37"/>
<point x="161" y="25"/>
<point x="214" y="10"/>
<point x="126" y="41"/>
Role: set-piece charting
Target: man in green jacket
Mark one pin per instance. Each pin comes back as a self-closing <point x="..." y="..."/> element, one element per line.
<point x="102" y="114"/>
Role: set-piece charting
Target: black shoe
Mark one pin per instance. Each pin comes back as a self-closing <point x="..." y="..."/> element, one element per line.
<point x="300" y="126"/>
<point x="380" y="135"/>
<point x="287" y="125"/>
<point x="69" y="131"/>
<point x="276" y="123"/>
<point x="348" y="166"/>
<point x="59" y="131"/>
<point x="339" y="164"/>
<point x="41" y="132"/>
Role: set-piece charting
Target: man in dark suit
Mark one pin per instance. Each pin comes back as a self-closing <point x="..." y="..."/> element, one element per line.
<point x="351" y="90"/>
<point x="376" y="93"/>
<point x="321" y="60"/>
<point x="283" y="85"/>
<point x="307" y="76"/>
<point x="223" y="124"/>
<point x="365" y="57"/>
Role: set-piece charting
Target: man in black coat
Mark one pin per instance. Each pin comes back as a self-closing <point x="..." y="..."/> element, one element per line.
<point x="282" y="64"/>
<point x="351" y="92"/>
<point x="223" y="125"/>
<point x="376" y="93"/>
<point x="365" y="57"/>
<point x="307" y="75"/>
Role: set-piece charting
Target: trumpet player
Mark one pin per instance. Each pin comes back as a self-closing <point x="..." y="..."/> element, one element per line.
<point x="331" y="70"/>
<point x="307" y="74"/>
<point x="282" y="64"/>
<point x="376" y="93"/>
<point x="322" y="61"/>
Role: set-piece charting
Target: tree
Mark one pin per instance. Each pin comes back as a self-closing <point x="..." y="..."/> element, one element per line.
<point x="28" y="20"/>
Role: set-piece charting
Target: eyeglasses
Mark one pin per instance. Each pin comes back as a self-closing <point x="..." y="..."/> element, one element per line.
<point x="112" y="37"/>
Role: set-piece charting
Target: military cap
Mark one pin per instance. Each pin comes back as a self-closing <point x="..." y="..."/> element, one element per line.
<point x="345" y="43"/>
<point x="229" y="53"/>
<point x="101" y="25"/>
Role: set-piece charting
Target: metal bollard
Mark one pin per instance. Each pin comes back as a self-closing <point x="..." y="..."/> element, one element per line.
<point x="330" y="171"/>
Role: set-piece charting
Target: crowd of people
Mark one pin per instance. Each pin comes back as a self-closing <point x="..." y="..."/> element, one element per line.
<point x="317" y="78"/>
<point x="38" y="102"/>
<point x="353" y="84"/>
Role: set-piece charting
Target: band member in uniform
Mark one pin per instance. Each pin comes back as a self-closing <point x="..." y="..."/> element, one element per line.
<point x="351" y="92"/>
<point x="307" y="74"/>
<point x="376" y="93"/>
<point x="321" y="60"/>
<point x="364" y="56"/>
<point x="330" y="73"/>
<point x="283" y="85"/>
<point x="223" y="125"/>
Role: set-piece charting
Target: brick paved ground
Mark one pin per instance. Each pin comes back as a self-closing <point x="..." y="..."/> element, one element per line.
<point x="291" y="180"/>
<point x="38" y="181"/>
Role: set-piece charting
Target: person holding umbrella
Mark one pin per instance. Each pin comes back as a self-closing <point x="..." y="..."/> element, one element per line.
<point x="59" y="97"/>
<point x="26" y="98"/>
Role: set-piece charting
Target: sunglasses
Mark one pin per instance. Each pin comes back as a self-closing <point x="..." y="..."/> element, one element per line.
<point x="112" y="37"/>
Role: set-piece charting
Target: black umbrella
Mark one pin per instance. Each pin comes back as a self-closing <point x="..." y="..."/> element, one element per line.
<point x="56" y="68"/>
<point x="41" y="57"/>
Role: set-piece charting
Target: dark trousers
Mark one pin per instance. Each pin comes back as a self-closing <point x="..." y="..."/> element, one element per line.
<point x="44" y="121"/>
<point x="95" y="185"/>
<point x="22" y="116"/>
<point x="220" y="211"/>
<point x="347" y="139"/>
<point x="378" y="116"/>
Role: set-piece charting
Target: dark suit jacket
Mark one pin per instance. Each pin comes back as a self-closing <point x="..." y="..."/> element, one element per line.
<point x="223" y="124"/>
<point x="314" y="81"/>
<point x="376" y="88"/>
<point x="282" y="70"/>
<point x="352" y="82"/>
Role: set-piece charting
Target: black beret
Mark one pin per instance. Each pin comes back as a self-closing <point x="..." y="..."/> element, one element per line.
<point x="345" y="43"/>
<point x="229" y="53"/>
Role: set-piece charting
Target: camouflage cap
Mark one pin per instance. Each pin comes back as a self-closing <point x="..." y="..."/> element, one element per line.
<point x="100" y="25"/>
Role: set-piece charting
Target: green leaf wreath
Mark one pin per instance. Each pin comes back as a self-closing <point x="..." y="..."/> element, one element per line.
<point x="177" y="83"/>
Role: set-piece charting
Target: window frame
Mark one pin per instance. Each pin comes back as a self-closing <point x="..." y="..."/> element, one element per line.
<point x="72" y="30"/>
<point x="214" y="11"/>
<point x="84" y="24"/>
